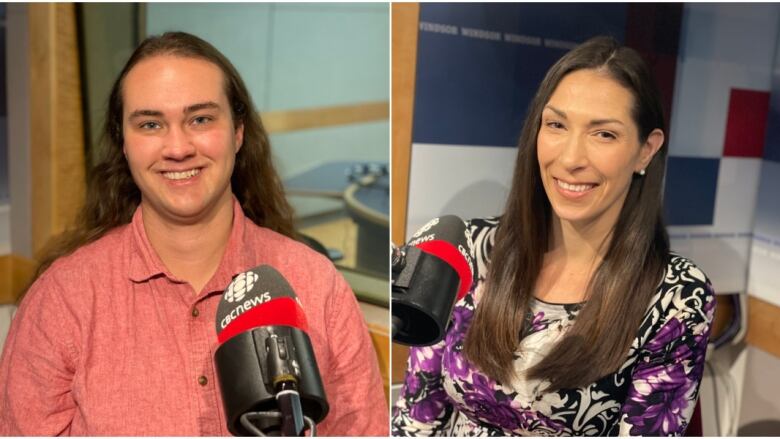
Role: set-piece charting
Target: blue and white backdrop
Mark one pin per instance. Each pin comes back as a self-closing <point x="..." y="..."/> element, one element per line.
<point x="479" y="64"/>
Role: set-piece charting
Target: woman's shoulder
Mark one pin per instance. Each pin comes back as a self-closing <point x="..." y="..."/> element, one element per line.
<point x="684" y="303"/>
<point x="483" y="224"/>
<point x="685" y="289"/>
<point x="682" y="274"/>
<point x="683" y="286"/>
<point x="685" y="298"/>
<point x="483" y="233"/>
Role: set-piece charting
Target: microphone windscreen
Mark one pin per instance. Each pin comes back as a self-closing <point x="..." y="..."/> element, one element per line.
<point x="448" y="239"/>
<point x="258" y="297"/>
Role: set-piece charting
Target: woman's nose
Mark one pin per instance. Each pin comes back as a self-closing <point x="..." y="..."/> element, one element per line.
<point x="574" y="153"/>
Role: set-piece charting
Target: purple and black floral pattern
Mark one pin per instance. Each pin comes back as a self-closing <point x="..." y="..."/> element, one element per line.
<point x="653" y="393"/>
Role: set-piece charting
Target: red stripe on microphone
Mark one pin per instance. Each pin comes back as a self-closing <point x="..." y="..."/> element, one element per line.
<point x="282" y="311"/>
<point x="450" y="254"/>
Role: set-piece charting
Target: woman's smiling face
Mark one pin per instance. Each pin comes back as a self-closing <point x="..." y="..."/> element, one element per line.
<point x="588" y="148"/>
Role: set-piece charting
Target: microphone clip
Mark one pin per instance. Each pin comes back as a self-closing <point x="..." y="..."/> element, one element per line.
<point x="268" y="378"/>
<point x="423" y="294"/>
<point x="404" y="264"/>
<point x="284" y="373"/>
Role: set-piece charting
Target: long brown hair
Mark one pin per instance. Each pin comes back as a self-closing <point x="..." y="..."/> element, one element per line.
<point x="620" y="290"/>
<point x="112" y="195"/>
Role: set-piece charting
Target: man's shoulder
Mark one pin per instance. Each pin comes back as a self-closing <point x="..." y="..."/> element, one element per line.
<point x="105" y="250"/>
<point x="311" y="275"/>
<point x="72" y="277"/>
<point x="266" y="244"/>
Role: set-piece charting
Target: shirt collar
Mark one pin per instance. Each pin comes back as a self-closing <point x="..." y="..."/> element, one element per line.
<point x="144" y="261"/>
<point x="146" y="264"/>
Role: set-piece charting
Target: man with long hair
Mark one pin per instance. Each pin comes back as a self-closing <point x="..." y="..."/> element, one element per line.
<point x="116" y="334"/>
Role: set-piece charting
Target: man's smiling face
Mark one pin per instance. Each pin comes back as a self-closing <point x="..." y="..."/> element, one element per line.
<point x="180" y="139"/>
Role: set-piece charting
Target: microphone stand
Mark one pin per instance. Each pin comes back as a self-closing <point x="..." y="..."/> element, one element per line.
<point x="282" y="369"/>
<point x="290" y="405"/>
<point x="270" y="383"/>
<point x="248" y="420"/>
<point x="398" y="265"/>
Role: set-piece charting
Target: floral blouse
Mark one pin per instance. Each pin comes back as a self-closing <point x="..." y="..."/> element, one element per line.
<point x="653" y="393"/>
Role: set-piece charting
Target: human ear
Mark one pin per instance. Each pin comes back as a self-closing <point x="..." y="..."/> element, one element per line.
<point x="651" y="146"/>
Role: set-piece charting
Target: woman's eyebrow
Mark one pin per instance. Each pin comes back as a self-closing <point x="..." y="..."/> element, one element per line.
<point x="560" y="113"/>
<point x="593" y="122"/>
<point x="604" y="121"/>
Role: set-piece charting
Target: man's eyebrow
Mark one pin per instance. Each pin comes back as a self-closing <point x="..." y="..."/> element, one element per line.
<point x="146" y="113"/>
<point x="188" y="109"/>
<point x="201" y="106"/>
<point x="593" y="122"/>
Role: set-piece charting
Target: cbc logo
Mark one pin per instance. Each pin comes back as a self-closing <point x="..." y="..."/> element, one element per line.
<point x="242" y="284"/>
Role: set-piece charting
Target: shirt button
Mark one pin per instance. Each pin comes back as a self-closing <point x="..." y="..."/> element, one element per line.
<point x="195" y="312"/>
<point x="202" y="380"/>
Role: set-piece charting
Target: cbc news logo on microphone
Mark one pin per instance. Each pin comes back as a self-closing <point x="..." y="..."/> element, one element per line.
<point x="242" y="284"/>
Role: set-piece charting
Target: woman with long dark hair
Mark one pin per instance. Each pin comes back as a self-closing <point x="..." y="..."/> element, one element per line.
<point x="582" y="321"/>
<point x="117" y="336"/>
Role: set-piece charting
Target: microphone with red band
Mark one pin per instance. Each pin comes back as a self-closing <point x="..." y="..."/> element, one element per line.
<point x="430" y="273"/>
<point x="265" y="362"/>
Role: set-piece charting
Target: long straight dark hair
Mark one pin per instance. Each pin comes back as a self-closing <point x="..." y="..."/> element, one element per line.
<point x="112" y="195"/>
<point x="620" y="290"/>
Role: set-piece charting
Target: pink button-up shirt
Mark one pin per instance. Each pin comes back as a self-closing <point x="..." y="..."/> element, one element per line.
<point x="108" y="342"/>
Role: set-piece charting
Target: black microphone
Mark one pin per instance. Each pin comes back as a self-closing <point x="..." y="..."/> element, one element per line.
<point x="267" y="372"/>
<point x="429" y="274"/>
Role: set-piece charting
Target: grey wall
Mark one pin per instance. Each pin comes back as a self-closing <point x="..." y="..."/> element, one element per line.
<point x="18" y="84"/>
<point x="760" y="414"/>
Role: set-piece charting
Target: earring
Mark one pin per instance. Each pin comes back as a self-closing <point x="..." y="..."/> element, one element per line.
<point x="642" y="172"/>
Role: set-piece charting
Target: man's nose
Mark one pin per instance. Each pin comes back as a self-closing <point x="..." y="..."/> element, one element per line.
<point x="177" y="144"/>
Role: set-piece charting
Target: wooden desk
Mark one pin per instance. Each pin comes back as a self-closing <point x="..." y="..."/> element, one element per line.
<point x="763" y="329"/>
<point x="15" y="274"/>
